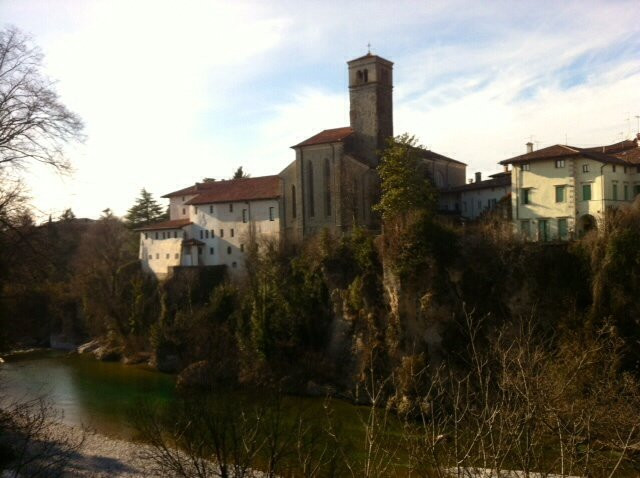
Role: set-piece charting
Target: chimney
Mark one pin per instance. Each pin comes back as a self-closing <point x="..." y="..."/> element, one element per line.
<point x="529" y="147"/>
<point x="478" y="177"/>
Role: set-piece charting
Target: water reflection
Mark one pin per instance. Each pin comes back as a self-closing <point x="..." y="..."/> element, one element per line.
<point x="97" y="394"/>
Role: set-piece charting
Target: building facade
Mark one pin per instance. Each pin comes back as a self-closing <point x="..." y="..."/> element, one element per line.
<point x="213" y="224"/>
<point x="561" y="192"/>
<point x="471" y="201"/>
<point x="332" y="184"/>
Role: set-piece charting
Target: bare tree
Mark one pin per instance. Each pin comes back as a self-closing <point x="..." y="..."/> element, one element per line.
<point x="34" y="124"/>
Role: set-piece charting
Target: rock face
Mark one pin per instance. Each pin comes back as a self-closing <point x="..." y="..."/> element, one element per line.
<point x="167" y="363"/>
<point x="197" y="375"/>
<point x="103" y="349"/>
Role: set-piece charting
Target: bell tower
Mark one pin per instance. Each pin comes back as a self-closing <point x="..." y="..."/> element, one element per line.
<point x="371" y="105"/>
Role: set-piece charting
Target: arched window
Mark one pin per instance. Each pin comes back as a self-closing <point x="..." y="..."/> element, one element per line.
<point x="312" y="209"/>
<point x="294" y="212"/>
<point x="359" y="77"/>
<point x="327" y="187"/>
<point x="366" y="75"/>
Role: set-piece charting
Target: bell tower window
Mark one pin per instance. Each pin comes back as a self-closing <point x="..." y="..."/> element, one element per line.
<point x="366" y="75"/>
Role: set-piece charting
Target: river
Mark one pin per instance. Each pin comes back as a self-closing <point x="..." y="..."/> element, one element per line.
<point x="100" y="395"/>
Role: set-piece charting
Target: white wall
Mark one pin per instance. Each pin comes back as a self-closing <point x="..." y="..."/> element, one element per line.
<point x="221" y="229"/>
<point x="157" y="255"/>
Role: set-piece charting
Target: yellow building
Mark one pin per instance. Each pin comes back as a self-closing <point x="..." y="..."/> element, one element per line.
<point x="561" y="192"/>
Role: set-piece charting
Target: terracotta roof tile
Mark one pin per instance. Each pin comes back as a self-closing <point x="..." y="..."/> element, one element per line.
<point x="245" y="189"/>
<point x="555" y="151"/>
<point x="563" y="151"/>
<point x="327" y="136"/>
<point x="173" y="224"/>
<point x="191" y="190"/>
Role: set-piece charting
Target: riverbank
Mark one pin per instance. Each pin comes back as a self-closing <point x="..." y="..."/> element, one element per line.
<point x="102" y="456"/>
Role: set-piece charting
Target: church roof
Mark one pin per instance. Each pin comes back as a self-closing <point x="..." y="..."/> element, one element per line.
<point x="334" y="135"/>
<point x="370" y="56"/>
<point x="173" y="224"/>
<point x="244" y="189"/>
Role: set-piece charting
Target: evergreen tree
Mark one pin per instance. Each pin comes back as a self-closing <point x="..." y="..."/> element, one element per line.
<point x="67" y="215"/>
<point x="239" y="174"/>
<point x="145" y="211"/>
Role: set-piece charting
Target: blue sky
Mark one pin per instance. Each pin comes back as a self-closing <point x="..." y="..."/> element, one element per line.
<point x="172" y="92"/>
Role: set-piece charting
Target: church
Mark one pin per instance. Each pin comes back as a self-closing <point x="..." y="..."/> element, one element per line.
<point x="331" y="185"/>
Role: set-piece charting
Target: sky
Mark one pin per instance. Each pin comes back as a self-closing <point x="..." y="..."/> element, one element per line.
<point x="172" y="92"/>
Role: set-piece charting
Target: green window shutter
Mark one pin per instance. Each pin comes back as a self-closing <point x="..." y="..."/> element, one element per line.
<point x="586" y="192"/>
<point x="615" y="192"/>
<point x="559" y="193"/>
<point x="525" y="196"/>
<point x="563" y="230"/>
<point x="626" y="192"/>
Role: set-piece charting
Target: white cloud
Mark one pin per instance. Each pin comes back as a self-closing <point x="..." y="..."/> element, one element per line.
<point x="172" y="92"/>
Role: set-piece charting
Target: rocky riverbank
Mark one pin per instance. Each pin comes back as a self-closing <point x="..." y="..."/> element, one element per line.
<point x="102" y="456"/>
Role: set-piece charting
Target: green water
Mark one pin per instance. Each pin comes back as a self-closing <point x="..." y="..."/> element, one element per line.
<point x="100" y="395"/>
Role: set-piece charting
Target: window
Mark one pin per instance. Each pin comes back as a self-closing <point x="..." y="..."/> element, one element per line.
<point x="626" y="192"/>
<point x="146" y="236"/>
<point x="625" y="170"/>
<point x="175" y="234"/>
<point x="241" y="247"/>
<point x="525" y="229"/>
<point x="150" y="256"/>
<point x="212" y="234"/>
<point x="327" y="187"/>
<point x="543" y="230"/>
<point x="366" y="75"/>
<point x="229" y="250"/>
<point x="294" y="212"/>
<point x="231" y="207"/>
<point x="232" y="232"/>
<point x="271" y="213"/>
<point x="613" y="168"/>
<point x="211" y="209"/>
<point x="206" y="234"/>
<point x="157" y="256"/>
<point x="563" y="230"/>
<point x="244" y="215"/>
<point x="157" y="235"/>
<point x="211" y="250"/>
<point x="585" y="168"/>
<point x="221" y="232"/>
<point x="196" y="209"/>
<point x="182" y="198"/>
<point x="525" y="192"/>
<point x="184" y="211"/>
<point x="615" y="192"/>
<point x="559" y="193"/>
<point x="201" y="234"/>
<point x="199" y="251"/>
<point x="525" y="167"/>
<point x="164" y="235"/>
<point x="176" y="256"/>
<point x="234" y="264"/>
<point x="559" y="163"/>
<point x="492" y="203"/>
<point x="312" y="209"/>
<point x="586" y="192"/>
<point x="167" y="256"/>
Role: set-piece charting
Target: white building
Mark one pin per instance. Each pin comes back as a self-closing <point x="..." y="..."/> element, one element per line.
<point x="476" y="198"/>
<point x="562" y="191"/>
<point x="212" y="224"/>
